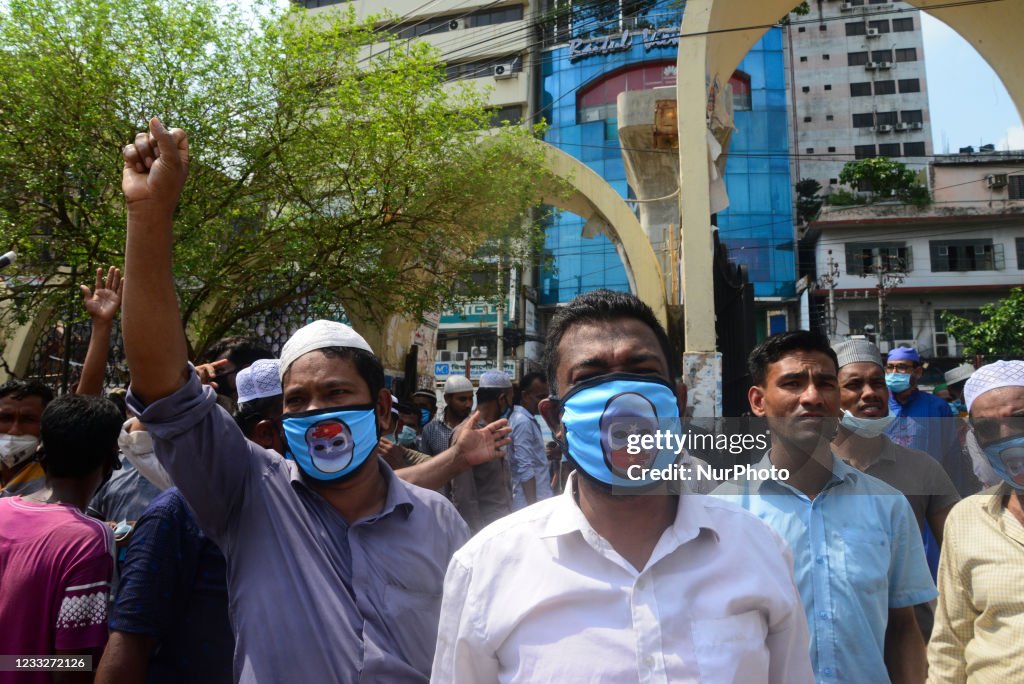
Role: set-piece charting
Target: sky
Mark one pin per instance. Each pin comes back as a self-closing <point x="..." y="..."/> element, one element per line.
<point x="968" y="103"/>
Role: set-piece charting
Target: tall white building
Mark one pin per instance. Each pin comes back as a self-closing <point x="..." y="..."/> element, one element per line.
<point x="856" y="81"/>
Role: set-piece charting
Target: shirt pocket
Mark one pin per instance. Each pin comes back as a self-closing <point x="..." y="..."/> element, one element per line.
<point x="732" y="648"/>
<point x="867" y="555"/>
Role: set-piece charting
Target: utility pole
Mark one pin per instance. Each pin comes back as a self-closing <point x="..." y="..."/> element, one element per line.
<point x="830" y="280"/>
<point x="501" y="316"/>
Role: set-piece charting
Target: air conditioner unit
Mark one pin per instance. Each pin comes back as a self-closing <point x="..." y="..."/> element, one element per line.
<point x="871" y="66"/>
<point x="916" y="126"/>
<point x="846" y="6"/>
<point x="443" y="355"/>
<point x="996" y="180"/>
<point x="885" y="65"/>
<point x="503" y="71"/>
<point x="903" y="126"/>
<point x="460" y="357"/>
<point x="872" y="33"/>
<point x="885" y="128"/>
<point x="478" y="352"/>
<point x="456" y="24"/>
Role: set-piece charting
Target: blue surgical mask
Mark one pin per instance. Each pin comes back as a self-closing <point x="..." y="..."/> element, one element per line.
<point x="1007" y="458"/>
<point x="424" y="417"/>
<point x="407" y="436"/>
<point x="601" y="417"/>
<point x="328" y="444"/>
<point x="866" y="427"/>
<point x="897" y="382"/>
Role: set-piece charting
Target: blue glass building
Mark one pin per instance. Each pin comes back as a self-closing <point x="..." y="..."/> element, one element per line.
<point x="579" y="83"/>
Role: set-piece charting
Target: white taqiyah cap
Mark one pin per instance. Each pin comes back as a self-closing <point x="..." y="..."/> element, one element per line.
<point x="457" y="383"/>
<point x="993" y="376"/>
<point x="320" y="335"/>
<point x="259" y="380"/>
<point x="959" y="374"/>
<point x="495" y="379"/>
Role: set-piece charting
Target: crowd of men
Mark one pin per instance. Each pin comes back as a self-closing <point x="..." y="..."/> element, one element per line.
<point x="262" y="519"/>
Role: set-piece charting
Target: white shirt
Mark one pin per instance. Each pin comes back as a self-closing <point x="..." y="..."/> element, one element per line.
<point x="539" y="596"/>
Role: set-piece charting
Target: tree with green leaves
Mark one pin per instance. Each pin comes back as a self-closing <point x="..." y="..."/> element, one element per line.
<point x="330" y="162"/>
<point x="808" y="201"/>
<point x="885" y="179"/>
<point x="998" y="334"/>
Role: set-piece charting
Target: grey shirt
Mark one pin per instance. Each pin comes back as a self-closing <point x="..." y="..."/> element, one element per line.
<point x="125" y="497"/>
<point x="312" y="598"/>
<point x="917" y="475"/>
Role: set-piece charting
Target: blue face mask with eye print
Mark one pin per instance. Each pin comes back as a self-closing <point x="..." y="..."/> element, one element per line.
<point x="604" y="419"/>
<point x="330" y="443"/>
<point x="1007" y="458"/>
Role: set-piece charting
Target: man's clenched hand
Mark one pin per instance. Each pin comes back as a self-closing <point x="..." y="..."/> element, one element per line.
<point x="155" y="168"/>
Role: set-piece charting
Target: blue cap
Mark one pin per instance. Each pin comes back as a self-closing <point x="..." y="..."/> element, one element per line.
<point x="904" y="354"/>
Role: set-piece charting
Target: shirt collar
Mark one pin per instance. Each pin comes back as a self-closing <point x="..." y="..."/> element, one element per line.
<point x="997" y="501"/>
<point x="841" y="472"/>
<point x="397" y="497"/>
<point x="691" y="516"/>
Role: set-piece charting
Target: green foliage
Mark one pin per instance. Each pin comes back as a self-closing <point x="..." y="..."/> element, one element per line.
<point x="998" y="335"/>
<point x="887" y="179"/>
<point x="808" y="202"/>
<point x="320" y="168"/>
<point x="843" y="198"/>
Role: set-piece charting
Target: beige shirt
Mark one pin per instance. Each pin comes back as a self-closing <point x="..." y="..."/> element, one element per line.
<point x="979" y="621"/>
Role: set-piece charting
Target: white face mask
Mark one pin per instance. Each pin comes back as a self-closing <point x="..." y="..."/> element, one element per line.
<point x="137" y="447"/>
<point x="16" y="449"/>
<point x="866" y="427"/>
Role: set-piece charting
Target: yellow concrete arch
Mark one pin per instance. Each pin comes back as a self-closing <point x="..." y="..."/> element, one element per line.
<point x="606" y="212"/>
<point x="714" y="38"/>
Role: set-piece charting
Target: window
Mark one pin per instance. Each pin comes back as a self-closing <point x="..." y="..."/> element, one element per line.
<point x="906" y="54"/>
<point x="881" y="55"/>
<point x="740" y="83"/>
<point x="823" y="27"/>
<point x="511" y="113"/>
<point x="860" y="89"/>
<point x="313" y="4"/>
<point x="807" y="119"/>
<point x="863" y="151"/>
<point x="829" y="117"/>
<point x="857" y="28"/>
<point x="828" y="86"/>
<point x="881" y="26"/>
<point x="911" y="116"/>
<point x="966" y="255"/>
<point x="910" y="85"/>
<point x="903" y="24"/>
<point x="596" y="100"/>
<point x="833" y="181"/>
<point x="1019" y="243"/>
<point x="863" y="120"/>
<point x="878" y="2"/>
<point x="862" y="257"/>
<point x="856" y="58"/>
<point x="806" y="89"/>
<point x="889" y="150"/>
<point x="945" y="344"/>
<point x="810" y="150"/>
<point x="889" y="118"/>
<point x="864" y="322"/>
<point x="885" y="87"/>
<point x="1016" y="187"/>
<point x="804" y="58"/>
<point x="495" y="16"/>
<point x="856" y="3"/>
<point x="801" y="29"/>
<point x="913" y="149"/>
<point x="831" y="149"/>
<point x="826" y="57"/>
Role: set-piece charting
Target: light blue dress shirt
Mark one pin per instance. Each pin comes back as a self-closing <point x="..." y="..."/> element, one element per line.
<point x="857" y="553"/>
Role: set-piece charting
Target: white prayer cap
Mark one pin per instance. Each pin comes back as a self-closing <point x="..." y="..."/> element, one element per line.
<point x="857" y="351"/>
<point x="320" y="335"/>
<point x="959" y="374"/>
<point x="456" y="384"/>
<point x="495" y="379"/>
<point x="993" y="376"/>
<point x="259" y="380"/>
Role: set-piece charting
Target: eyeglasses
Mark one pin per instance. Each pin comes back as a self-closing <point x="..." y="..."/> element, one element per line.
<point x="899" y="367"/>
